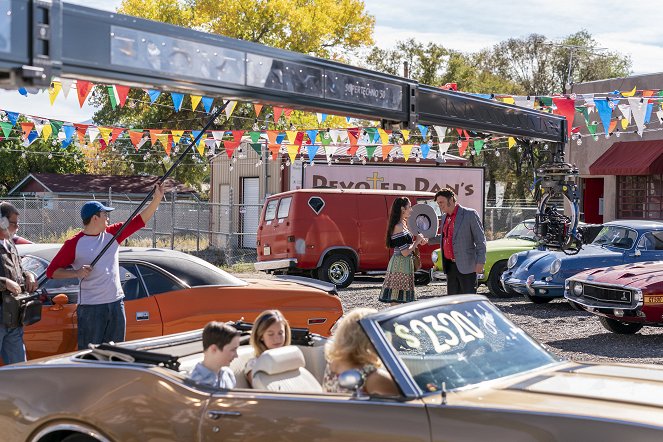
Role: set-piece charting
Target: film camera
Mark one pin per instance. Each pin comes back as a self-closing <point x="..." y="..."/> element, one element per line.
<point x="22" y="309"/>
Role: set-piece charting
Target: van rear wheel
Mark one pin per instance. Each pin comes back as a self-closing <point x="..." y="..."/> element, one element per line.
<point x="337" y="269"/>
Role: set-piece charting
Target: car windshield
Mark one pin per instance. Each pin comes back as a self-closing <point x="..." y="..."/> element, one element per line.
<point x="616" y="236"/>
<point x="34" y="264"/>
<point x="462" y="344"/>
<point x="524" y="230"/>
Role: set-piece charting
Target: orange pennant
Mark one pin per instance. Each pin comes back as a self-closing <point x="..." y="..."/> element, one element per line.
<point x="258" y="109"/>
<point x="135" y="137"/>
<point x="274" y="149"/>
<point x="386" y="148"/>
<point x="613" y="125"/>
<point x="287" y="113"/>
<point x="26" y="128"/>
<point x="277" y="113"/>
<point x="81" y="129"/>
<point x="153" y="135"/>
<point x="271" y="136"/>
<point x="115" y="133"/>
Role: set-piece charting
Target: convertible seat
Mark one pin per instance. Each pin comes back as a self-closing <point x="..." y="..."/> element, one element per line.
<point x="282" y="369"/>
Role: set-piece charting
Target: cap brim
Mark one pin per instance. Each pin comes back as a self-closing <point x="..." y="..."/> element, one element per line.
<point x="108" y="209"/>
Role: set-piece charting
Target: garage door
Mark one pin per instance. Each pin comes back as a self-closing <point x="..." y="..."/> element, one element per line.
<point x="249" y="212"/>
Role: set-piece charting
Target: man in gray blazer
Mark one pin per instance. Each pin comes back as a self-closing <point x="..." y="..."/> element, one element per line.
<point x="462" y="244"/>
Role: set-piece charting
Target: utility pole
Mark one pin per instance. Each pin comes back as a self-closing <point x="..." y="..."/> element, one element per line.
<point x="568" y="82"/>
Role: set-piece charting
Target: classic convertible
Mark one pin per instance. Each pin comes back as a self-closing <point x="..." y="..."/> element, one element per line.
<point x="540" y="275"/>
<point x="625" y="298"/>
<point x="167" y="291"/>
<point x="465" y="373"/>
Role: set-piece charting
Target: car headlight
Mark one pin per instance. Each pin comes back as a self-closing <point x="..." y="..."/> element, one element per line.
<point x="434" y="255"/>
<point x="512" y="260"/>
<point x="555" y="266"/>
<point x="577" y="288"/>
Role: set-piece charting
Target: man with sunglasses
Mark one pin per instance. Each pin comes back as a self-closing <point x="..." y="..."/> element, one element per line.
<point x="100" y="311"/>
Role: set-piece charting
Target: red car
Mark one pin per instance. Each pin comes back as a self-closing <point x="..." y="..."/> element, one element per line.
<point x="625" y="298"/>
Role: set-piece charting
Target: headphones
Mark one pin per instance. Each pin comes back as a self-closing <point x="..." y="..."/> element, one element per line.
<point x="4" y="223"/>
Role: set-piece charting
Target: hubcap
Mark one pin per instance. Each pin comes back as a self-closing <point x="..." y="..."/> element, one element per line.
<point x="339" y="272"/>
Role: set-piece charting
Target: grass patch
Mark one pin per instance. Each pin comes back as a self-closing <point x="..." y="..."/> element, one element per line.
<point x="240" y="267"/>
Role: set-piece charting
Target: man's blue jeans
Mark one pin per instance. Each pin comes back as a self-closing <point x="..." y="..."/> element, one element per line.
<point x="101" y="323"/>
<point x="12" y="348"/>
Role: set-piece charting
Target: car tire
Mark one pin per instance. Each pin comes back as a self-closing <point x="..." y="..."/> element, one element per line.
<point x="422" y="277"/>
<point x="538" y="299"/>
<point x="337" y="269"/>
<point x="619" y="327"/>
<point x="494" y="284"/>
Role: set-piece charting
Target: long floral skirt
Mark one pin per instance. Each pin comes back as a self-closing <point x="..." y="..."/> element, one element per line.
<point x="398" y="285"/>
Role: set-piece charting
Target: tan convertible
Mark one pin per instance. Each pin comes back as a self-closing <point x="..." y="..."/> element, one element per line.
<point x="465" y="373"/>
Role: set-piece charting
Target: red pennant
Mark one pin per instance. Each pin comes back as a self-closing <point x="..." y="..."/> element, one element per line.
<point x="287" y="113"/>
<point x="102" y="143"/>
<point x="274" y="149"/>
<point x="566" y="107"/>
<point x="463" y="146"/>
<point x="613" y="125"/>
<point x="26" y="128"/>
<point x="353" y="135"/>
<point x="169" y="143"/>
<point x="122" y="92"/>
<point x="299" y="139"/>
<point x="230" y="147"/>
<point x="83" y="89"/>
<point x="81" y="129"/>
<point x="153" y="135"/>
<point x="277" y="113"/>
<point x="135" y="137"/>
<point x="115" y="133"/>
<point x="237" y="134"/>
<point x="352" y="150"/>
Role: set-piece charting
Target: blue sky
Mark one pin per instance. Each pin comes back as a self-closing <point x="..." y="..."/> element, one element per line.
<point x="630" y="27"/>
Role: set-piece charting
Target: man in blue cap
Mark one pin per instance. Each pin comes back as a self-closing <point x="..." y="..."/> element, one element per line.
<point x="100" y="310"/>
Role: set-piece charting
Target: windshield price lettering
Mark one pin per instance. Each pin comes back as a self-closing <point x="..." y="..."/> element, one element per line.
<point x="439" y="328"/>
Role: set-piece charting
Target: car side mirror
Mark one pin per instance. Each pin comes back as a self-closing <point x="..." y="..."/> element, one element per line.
<point x="59" y="301"/>
<point x="637" y="252"/>
<point x="353" y="380"/>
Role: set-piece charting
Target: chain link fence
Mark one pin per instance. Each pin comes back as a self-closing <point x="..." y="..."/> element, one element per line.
<point x="220" y="233"/>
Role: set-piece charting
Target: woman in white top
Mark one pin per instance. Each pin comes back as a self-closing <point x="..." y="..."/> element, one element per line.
<point x="270" y="330"/>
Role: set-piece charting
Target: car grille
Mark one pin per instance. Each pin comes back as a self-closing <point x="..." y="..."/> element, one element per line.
<point x="607" y="294"/>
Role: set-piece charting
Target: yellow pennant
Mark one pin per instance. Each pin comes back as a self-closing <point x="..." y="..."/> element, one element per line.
<point x="631" y="93"/>
<point x="46" y="131"/>
<point x="624" y="123"/>
<point x="291" y="135"/>
<point x="384" y="136"/>
<point x="406" y="134"/>
<point x="195" y="100"/>
<point x="201" y="147"/>
<point x="292" y="152"/>
<point x="407" y="149"/>
<point x="163" y="139"/>
<point x="105" y="133"/>
<point x="54" y="91"/>
<point x="511" y="142"/>
<point x="508" y="100"/>
<point x="177" y="134"/>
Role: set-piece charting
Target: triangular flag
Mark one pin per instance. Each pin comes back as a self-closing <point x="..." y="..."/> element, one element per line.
<point x="207" y="103"/>
<point x="321" y="117"/>
<point x="122" y="93"/>
<point x="80" y="131"/>
<point x="406" y="149"/>
<point x="32" y="136"/>
<point x="441" y="132"/>
<point x="53" y="92"/>
<point x="386" y="148"/>
<point x="177" y="134"/>
<point x="237" y="134"/>
<point x="463" y="146"/>
<point x="195" y="100"/>
<point x="605" y="112"/>
<point x="39" y="125"/>
<point x="280" y="137"/>
<point x="258" y="108"/>
<point x="177" y="100"/>
<point x="153" y="135"/>
<point x="567" y="108"/>
<point x="291" y="135"/>
<point x="135" y="136"/>
<point x="56" y="126"/>
<point x="68" y="135"/>
<point x="272" y="135"/>
<point x="12" y="117"/>
<point x="93" y="133"/>
<point x="638" y="109"/>
<point x="103" y="144"/>
<point x="312" y="135"/>
<point x="444" y="147"/>
<point x="425" y="148"/>
<point x="384" y="136"/>
<point x="406" y="134"/>
<point x="26" y="128"/>
<point x="255" y="136"/>
<point x="230" y="108"/>
<point x="116" y="133"/>
<point x="629" y="94"/>
<point x="274" y="149"/>
<point x="511" y="142"/>
<point x="105" y="133"/>
<point x="66" y="84"/>
<point x="83" y="89"/>
<point x="478" y="145"/>
<point x="325" y="138"/>
<point x="650" y="108"/>
<point x="230" y="147"/>
<point x="277" y="113"/>
<point x="659" y="114"/>
<point x="154" y="94"/>
<point x="508" y="100"/>
<point x="293" y="150"/>
<point x="287" y="113"/>
<point x="626" y="112"/>
<point x="423" y="130"/>
<point x="46" y="131"/>
<point x="7" y="128"/>
<point x="370" y="151"/>
<point x="257" y="147"/>
<point x="201" y="141"/>
<point x="613" y="125"/>
<point x="312" y="152"/>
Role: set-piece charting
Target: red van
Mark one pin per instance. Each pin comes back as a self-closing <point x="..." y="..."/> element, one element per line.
<point x="332" y="234"/>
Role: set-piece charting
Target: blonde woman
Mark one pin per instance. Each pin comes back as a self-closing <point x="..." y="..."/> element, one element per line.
<point x="351" y="349"/>
<point x="270" y="330"/>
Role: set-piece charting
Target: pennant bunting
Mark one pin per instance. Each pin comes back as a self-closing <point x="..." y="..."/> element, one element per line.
<point x="26" y="128"/>
<point x="136" y="136"/>
<point x="423" y="130"/>
<point x="46" y="131"/>
<point x="566" y="107"/>
<point x="444" y="147"/>
<point x="287" y="113"/>
<point x="511" y="142"/>
<point x="153" y="94"/>
<point x="116" y="132"/>
<point x="478" y="145"/>
<point x="12" y="117"/>
<point x="312" y="136"/>
<point x="105" y="133"/>
<point x="153" y="135"/>
<point x="207" y="103"/>
<point x="370" y="150"/>
<point x="257" y="107"/>
<point x="425" y="148"/>
<point x="69" y="132"/>
<point x="30" y="138"/>
<point x="177" y="135"/>
<point x="312" y="152"/>
<point x="293" y="150"/>
<point x="177" y="100"/>
<point x="56" y="126"/>
<point x="629" y="94"/>
<point x="53" y="92"/>
<point x="6" y="128"/>
<point x="274" y="149"/>
<point x="605" y="112"/>
<point x="83" y="89"/>
<point x="80" y="131"/>
<point x="386" y="149"/>
<point x="638" y="110"/>
<point x="277" y="114"/>
<point x="195" y="100"/>
<point x="66" y="84"/>
<point x="257" y="147"/>
<point x="230" y="108"/>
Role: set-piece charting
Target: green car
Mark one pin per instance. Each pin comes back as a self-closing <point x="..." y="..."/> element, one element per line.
<point x="498" y="251"/>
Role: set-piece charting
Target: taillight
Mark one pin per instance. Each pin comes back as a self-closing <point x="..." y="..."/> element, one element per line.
<point x="316" y="321"/>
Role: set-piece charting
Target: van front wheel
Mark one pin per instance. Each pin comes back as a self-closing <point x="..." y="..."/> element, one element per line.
<point x="337" y="269"/>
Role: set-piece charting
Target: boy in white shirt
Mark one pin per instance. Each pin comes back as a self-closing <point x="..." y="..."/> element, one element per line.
<point x="220" y="343"/>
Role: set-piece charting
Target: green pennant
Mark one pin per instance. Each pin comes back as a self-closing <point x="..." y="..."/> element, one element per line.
<point x="325" y="138"/>
<point x="56" y="126"/>
<point x="592" y="128"/>
<point x="6" y="128"/>
<point x="256" y="146"/>
<point x="546" y="101"/>
<point x="370" y="150"/>
<point x="478" y="145"/>
<point x="584" y="111"/>
<point x="255" y="136"/>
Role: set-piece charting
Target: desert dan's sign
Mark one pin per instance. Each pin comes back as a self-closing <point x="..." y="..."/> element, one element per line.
<point x="466" y="182"/>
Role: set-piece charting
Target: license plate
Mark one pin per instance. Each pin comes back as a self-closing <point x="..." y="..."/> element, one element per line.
<point x="266" y="250"/>
<point x="654" y="299"/>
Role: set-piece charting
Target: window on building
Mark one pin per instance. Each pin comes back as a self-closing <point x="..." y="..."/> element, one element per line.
<point x="640" y="197"/>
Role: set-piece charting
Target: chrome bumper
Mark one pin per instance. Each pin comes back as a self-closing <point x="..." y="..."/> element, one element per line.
<point x="277" y="264"/>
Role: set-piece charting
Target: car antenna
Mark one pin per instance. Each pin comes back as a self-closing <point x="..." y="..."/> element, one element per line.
<point x="444" y="394"/>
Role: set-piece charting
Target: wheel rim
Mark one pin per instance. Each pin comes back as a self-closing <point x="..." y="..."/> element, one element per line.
<point x="339" y="272"/>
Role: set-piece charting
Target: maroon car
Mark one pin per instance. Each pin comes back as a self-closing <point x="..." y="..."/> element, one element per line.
<point x="625" y="298"/>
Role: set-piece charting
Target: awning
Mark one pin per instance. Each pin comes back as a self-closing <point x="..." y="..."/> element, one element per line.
<point x="630" y="158"/>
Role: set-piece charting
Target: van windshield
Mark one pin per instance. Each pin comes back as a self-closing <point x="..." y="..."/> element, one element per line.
<point x="270" y="211"/>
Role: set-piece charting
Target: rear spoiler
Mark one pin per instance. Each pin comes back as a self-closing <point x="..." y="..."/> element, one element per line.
<point x="310" y="282"/>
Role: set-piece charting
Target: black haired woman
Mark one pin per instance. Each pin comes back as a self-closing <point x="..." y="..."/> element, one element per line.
<point x="398" y="286"/>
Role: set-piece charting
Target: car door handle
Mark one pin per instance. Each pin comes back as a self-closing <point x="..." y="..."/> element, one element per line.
<point x="142" y="316"/>
<point x="215" y="414"/>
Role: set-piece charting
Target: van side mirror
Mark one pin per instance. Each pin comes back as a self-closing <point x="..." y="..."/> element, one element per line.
<point x="59" y="301"/>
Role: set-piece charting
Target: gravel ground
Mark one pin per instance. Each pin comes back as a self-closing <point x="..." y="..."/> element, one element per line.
<point x="566" y="332"/>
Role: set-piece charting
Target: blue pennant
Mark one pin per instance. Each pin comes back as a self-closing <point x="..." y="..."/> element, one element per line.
<point x="195" y="134"/>
<point x="177" y="100"/>
<point x="312" y="151"/>
<point x="207" y="103"/>
<point x="69" y="133"/>
<point x="605" y="112"/>
<point x="13" y="117"/>
<point x="154" y="94"/>
<point x="425" y="148"/>
<point x="23" y="91"/>
<point x="312" y="134"/>
<point x="279" y="138"/>
<point x="650" y="108"/>
<point x="423" y="130"/>
<point x="323" y="117"/>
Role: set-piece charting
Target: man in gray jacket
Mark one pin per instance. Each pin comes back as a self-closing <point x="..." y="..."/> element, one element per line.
<point x="463" y="244"/>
